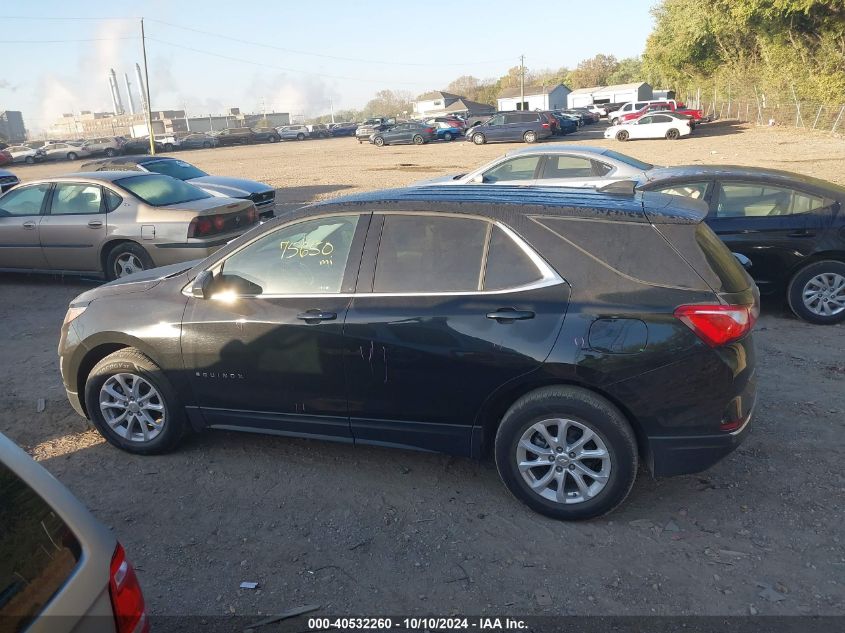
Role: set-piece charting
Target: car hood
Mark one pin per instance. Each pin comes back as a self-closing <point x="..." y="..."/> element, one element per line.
<point x="230" y="187"/>
<point x="448" y="179"/>
<point x="137" y="282"/>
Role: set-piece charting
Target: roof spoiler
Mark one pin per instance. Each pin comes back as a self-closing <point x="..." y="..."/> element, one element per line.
<point x="620" y="187"/>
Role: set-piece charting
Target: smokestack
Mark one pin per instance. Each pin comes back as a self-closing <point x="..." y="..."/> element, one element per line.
<point x="129" y="94"/>
<point x="140" y="77"/>
<point x="115" y="92"/>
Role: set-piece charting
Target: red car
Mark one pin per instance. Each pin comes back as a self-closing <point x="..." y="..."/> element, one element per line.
<point x="696" y="115"/>
<point x="5" y="158"/>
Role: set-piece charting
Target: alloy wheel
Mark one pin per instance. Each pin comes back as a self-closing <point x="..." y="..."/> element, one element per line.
<point x="824" y="294"/>
<point x="132" y="407"/>
<point x="126" y="264"/>
<point x="563" y="461"/>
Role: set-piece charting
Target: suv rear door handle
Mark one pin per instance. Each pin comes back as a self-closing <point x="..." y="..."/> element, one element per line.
<point x="95" y="224"/>
<point x="29" y="224"/>
<point x="315" y="316"/>
<point x="509" y="315"/>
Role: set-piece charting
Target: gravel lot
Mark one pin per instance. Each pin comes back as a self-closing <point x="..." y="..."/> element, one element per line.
<point x="375" y="531"/>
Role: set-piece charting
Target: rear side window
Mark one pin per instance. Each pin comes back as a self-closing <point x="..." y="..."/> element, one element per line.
<point x="112" y="200"/>
<point x="430" y="254"/>
<point x="38" y="552"/>
<point x="508" y="266"/>
<point x="756" y="200"/>
<point x="567" y="167"/>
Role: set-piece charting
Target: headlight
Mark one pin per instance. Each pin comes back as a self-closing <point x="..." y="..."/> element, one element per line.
<point x="73" y="312"/>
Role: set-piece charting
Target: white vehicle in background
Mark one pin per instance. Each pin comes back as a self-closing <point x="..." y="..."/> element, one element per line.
<point x="597" y="109"/>
<point x="59" y="151"/>
<point x="660" y="125"/>
<point x="631" y="107"/>
<point x="108" y="145"/>
<point x="24" y="154"/>
<point x="293" y="132"/>
<point x="168" y="141"/>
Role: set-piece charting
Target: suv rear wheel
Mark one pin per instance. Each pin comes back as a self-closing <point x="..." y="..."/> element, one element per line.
<point x="817" y="292"/>
<point x="567" y="453"/>
<point x="300" y="137"/>
<point x="530" y="136"/>
<point x="418" y="140"/>
<point x="133" y="405"/>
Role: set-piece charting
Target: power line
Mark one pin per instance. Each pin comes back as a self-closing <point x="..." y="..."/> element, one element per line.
<point x="323" y="55"/>
<point x="88" y="39"/>
<point x="283" y="68"/>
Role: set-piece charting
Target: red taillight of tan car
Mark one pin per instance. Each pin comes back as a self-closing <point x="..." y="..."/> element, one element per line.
<point x="717" y="324"/>
<point x="127" y="600"/>
<point x="209" y="225"/>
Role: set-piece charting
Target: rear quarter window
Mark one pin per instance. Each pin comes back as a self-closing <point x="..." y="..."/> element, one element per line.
<point x="38" y="552"/>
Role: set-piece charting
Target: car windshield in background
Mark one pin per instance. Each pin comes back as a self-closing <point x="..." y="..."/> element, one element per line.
<point x="633" y="162"/>
<point x="161" y="191"/>
<point x="175" y="169"/>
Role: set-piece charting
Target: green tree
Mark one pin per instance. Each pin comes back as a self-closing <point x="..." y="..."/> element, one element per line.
<point x="595" y="71"/>
<point x="628" y="70"/>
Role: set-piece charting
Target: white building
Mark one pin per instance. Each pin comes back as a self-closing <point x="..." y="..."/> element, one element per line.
<point x="433" y="103"/>
<point x="620" y="93"/>
<point x="536" y="98"/>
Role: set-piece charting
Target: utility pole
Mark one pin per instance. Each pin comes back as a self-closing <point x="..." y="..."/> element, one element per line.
<point x="521" y="82"/>
<point x="331" y="106"/>
<point x="146" y="88"/>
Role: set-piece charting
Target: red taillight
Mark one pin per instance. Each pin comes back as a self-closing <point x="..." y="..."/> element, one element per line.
<point x="127" y="600"/>
<point x="717" y="324"/>
<point x="429" y="130"/>
<point x="200" y="227"/>
<point x="545" y="125"/>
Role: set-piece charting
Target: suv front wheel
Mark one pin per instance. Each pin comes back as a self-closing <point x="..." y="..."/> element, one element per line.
<point x="567" y="453"/>
<point x="478" y="138"/>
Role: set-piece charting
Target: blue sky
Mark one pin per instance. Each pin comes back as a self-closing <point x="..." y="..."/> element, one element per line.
<point x="355" y="49"/>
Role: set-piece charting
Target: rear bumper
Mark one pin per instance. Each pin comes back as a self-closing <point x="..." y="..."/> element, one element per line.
<point x="684" y="455"/>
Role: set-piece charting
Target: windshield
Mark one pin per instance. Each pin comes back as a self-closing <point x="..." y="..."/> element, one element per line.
<point x="633" y="162"/>
<point x="160" y="191"/>
<point x="175" y="169"/>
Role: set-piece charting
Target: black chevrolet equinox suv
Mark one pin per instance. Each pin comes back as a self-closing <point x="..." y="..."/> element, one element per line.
<point x="570" y="334"/>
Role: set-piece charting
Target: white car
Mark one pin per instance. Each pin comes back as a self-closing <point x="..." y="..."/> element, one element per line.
<point x="658" y="125"/>
<point x="168" y="141"/>
<point x="631" y="107"/>
<point x="65" y="150"/>
<point x="551" y="166"/>
<point x="108" y="145"/>
<point x="24" y="154"/>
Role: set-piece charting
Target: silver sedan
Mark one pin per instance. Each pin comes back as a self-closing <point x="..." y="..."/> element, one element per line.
<point x="552" y="166"/>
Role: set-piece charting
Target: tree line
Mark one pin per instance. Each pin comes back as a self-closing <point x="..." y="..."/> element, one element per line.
<point x="741" y="47"/>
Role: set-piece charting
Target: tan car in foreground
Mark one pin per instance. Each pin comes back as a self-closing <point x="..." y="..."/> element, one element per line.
<point x="113" y="224"/>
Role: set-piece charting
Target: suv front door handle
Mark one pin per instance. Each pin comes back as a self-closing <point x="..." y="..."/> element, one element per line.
<point x="509" y="315"/>
<point x="315" y="316"/>
<point x="29" y="224"/>
<point x="95" y="224"/>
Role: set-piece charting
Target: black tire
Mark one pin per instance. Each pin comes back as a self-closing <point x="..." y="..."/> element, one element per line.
<point x="378" y="141"/>
<point x="418" y="140"/>
<point x="672" y="134"/>
<point x="478" y="138"/>
<point x="799" y="283"/>
<point x="273" y="139"/>
<point x="111" y="152"/>
<point x="126" y="248"/>
<point x="587" y="409"/>
<point x="447" y="137"/>
<point x="530" y="136"/>
<point x="206" y="144"/>
<point x="300" y="137"/>
<point x="131" y="361"/>
<point x="72" y="156"/>
<point x="622" y="135"/>
<point x="29" y="160"/>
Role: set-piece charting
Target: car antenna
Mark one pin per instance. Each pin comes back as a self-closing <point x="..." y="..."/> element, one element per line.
<point x="620" y="187"/>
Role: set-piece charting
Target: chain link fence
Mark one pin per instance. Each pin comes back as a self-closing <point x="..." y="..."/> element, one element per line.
<point x="764" y="110"/>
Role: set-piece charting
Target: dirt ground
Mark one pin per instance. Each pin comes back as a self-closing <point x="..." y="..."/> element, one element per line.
<point x="368" y="531"/>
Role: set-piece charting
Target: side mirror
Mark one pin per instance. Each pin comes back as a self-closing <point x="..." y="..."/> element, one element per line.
<point x="201" y="288"/>
<point x="746" y="263"/>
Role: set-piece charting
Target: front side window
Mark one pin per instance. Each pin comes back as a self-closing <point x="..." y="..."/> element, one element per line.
<point x="23" y="201"/>
<point x="694" y="190"/>
<point x="73" y="199"/>
<point x="304" y="258"/>
<point x="497" y="120"/>
<point x="564" y="166"/>
<point x="38" y="552"/>
<point x="160" y="191"/>
<point x="522" y="168"/>
<point x="762" y="200"/>
<point x="175" y="169"/>
<point x="430" y="254"/>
